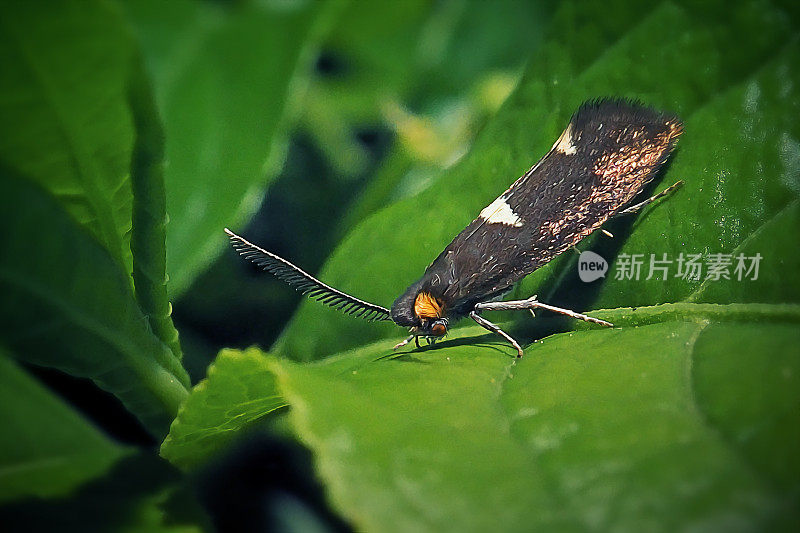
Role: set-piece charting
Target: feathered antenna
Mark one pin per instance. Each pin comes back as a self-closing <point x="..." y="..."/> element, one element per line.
<point x="305" y="283"/>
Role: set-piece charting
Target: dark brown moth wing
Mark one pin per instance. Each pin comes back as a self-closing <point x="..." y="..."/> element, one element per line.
<point x="609" y="151"/>
<point x="305" y="283"/>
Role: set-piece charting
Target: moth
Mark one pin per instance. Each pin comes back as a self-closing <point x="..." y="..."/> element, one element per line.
<point x="610" y="150"/>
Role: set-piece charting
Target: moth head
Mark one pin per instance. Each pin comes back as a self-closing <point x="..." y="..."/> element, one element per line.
<point x="430" y="311"/>
<point x="436" y="327"/>
<point x="421" y="311"/>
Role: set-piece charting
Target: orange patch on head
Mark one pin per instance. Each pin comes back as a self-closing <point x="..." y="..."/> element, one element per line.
<point x="427" y="306"/>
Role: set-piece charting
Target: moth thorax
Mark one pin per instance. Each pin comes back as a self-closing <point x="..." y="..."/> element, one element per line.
<point x="428" y="306"/>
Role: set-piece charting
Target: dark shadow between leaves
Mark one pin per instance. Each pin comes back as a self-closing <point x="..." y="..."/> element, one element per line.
<point x="111" y="503"/>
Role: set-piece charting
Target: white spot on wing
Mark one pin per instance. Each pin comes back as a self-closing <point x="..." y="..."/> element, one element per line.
<point x="564" y="143"/>
<point x="499" y="212"/>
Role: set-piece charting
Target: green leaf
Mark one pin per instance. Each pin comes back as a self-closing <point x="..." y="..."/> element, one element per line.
<point x="66" y="304"/>
<point x="148" y="239"/>
<point x="629" y="428"/>
<point x="730" y="359"/>
<point x="779" y="276"/>
<point x="224" y="75"/>
<point x="71" y="77"/>
<point x="239" y="389"/>
<point x="47" y="449"/>
<point x="66" y="122"/>
<point x="696" y="57"/>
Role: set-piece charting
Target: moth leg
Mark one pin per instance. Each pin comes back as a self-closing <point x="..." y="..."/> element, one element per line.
<point x="404" y="342"/>
<point x="533" y="303"/>
<point x="416" y="341"/>
<point x="495" y="329"/>
<point x="636" y="207"/>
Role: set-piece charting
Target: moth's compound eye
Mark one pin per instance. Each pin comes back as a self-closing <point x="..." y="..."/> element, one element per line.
<point x="439" y="329"/>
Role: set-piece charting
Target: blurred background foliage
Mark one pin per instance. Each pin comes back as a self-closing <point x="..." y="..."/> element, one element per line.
<point x="395" y="94"/>
<point x="356" y="138"/>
